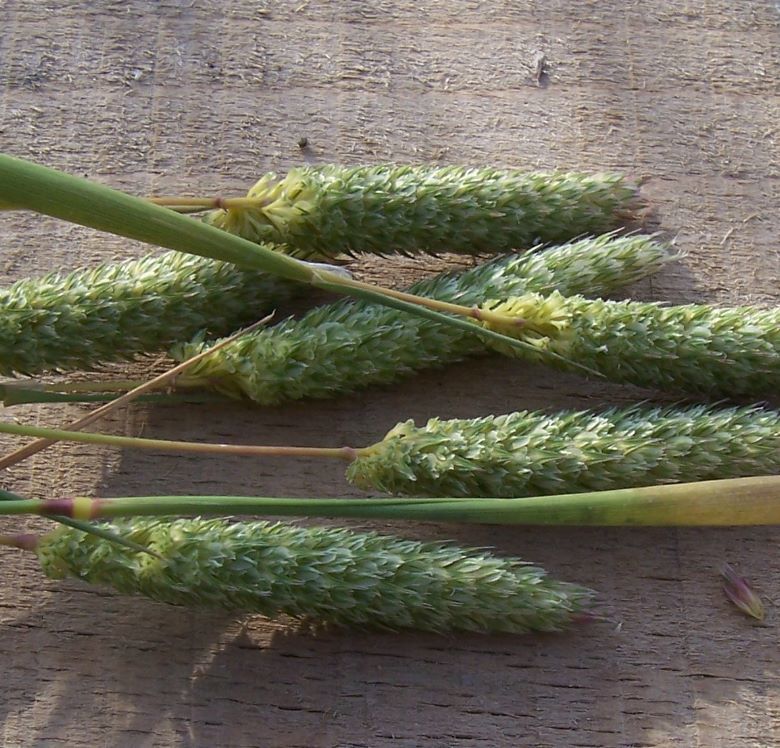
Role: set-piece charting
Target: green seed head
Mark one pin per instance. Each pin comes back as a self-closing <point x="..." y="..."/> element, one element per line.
<point x="345" y="346"/>
<point x="691" y="348"/>
<point x="532" y="454"/>
<point x="327" y="575"/>
<point x="116" y="311"/>
<point x="331" y="209"/>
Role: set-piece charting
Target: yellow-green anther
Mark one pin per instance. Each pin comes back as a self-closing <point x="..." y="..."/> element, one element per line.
<point x="345" y="346"/>
<point x="116" y="311"/>
<point x="698" y="348"/>
<point x="325" y="575"/>
<point x="533" y="454"/>
<point x="326" y="210"/>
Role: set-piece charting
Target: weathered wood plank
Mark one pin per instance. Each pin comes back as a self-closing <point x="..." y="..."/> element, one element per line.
<point x="172" y="96"/>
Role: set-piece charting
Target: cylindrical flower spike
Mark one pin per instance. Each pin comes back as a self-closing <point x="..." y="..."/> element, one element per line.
<point x="326" y="210"/>
<point x="718" y="351"/>
<point x="534" y="454"/>
<point x="345" y="346"/>
<point x="326" y="575"/>
<point x="116" y="311"/>
<point x="25" y="185"/>
<point x="527" y="454"/>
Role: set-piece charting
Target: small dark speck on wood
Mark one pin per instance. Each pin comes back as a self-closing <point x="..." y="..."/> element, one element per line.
<point x="540" y="68"/>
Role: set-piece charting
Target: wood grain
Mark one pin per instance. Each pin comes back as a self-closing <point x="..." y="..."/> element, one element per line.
<point x="177" y="96"/>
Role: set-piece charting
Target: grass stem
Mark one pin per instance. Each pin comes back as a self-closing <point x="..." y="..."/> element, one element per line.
<point x="165" y="445"/>
<point x="719" y="503"/>
<point x="163" y="379"/>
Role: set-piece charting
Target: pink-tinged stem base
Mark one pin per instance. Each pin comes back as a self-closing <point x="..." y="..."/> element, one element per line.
<point x="27" y="541"/>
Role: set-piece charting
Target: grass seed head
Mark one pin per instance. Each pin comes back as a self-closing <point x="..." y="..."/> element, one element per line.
<point x="117" y="311"/>
<point x="348" y="345"/>
<point x="326" y="575"/>
<point x="326" y="210"/>
<point x="532" y="454"/>
<point x="698" y="348"/>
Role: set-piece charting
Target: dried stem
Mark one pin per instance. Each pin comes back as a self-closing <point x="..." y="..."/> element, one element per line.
<point x="196" y="204"/>
<point x="476" y="313"/>
<point x="165" y="445"/>
<point x="24" y="452"/>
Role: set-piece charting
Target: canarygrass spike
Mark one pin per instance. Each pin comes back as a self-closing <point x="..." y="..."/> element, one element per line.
<point x="33" y="187"/>
<point x="323" y="575"/>
<point x="527" y="454"/>
<point x="349" y="345"/>
<point x="532" y="454"/>
<point x="116" y="311"/>
<point x="326" y="210"/>
<point x="718" y="351"/>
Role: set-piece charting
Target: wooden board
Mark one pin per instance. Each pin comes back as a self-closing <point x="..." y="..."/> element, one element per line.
<point x="203" y="97"/>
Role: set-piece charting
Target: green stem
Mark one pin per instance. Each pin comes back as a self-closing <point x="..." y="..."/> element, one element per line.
<point x="735" y="502"/>
<point x="100" y="392"/>
<point x="25" y="541"/>
<point x="26" y="185"/>
<point x="116" y="385"/>
<point x="166" y="445"/>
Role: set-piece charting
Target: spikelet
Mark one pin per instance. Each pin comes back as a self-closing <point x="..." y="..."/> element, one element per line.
<point x="345" y="346"/>
<point x="326" y="575"/>
<point x="116" y="311"/>
<point x="326" y="210"/>
<point x="697" y="348"/>
<point x="533" y="454"/>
